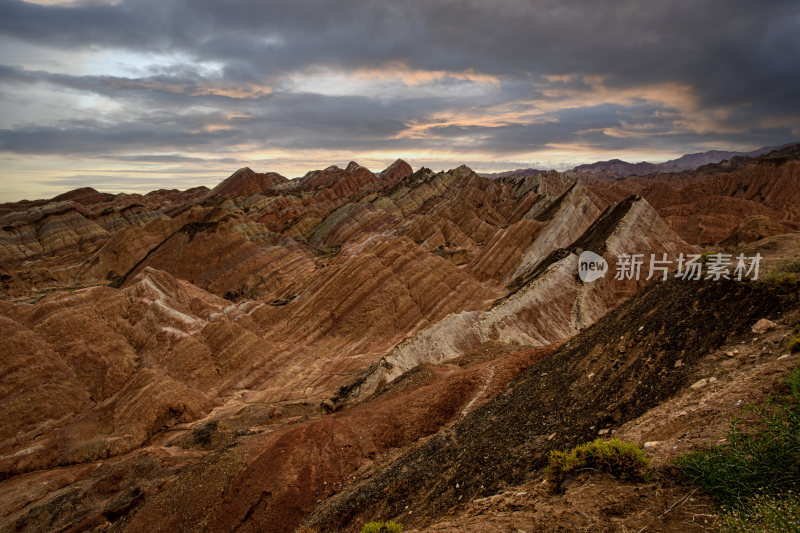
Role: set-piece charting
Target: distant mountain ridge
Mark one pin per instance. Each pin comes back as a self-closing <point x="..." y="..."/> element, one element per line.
<point x="616" y="168"/>
<point x="612" y="169"/>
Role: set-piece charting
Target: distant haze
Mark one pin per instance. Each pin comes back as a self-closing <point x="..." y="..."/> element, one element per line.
<point x="135" y="95"/>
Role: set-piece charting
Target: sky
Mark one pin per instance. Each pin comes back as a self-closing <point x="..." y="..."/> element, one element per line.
<point x="137" y="95"/>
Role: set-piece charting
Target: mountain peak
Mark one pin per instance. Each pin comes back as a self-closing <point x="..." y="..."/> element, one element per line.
<point x="245" y="182"/>
<point x="84" y="195"/>
<point x="352" y="166"/>
<point x="397" y="170"/>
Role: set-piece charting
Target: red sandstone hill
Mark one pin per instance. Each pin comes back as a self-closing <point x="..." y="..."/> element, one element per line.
<point x="734" y="202"/>
<point x="229" y="359"/>
<point x="245" y="182"/>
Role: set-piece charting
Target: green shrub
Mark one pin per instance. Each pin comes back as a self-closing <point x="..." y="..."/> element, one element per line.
<point x="793" y="380"/>
<point x="785" y="282"/>
<point x="785" y="277"/>
<point x="764" y="514"/>
<point x="790" y="265"/>
<point x="705" y="256"/>
<point x="794" y="344"/>
<point x="624" y="460"/>
<point x="382" y="527"/>
<point x="765" y="461"/>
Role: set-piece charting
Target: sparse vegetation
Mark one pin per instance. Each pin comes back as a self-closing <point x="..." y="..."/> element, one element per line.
<point x="705" y="256"/>
<point x="793" y="381"/>
<point x="764" y="514"/>
<point x="624" y="460"/>
<point x="382" y="527"/>
<point x="785" y="277"/>
<point x="752" y="476"/>
<point x="794" y="343"/>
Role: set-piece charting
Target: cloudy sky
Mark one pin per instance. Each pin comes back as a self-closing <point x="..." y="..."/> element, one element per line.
<point x="135" y="95"/>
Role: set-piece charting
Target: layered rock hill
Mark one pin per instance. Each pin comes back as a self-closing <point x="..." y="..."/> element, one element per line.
<point x="547" y="304"/>
<point x="227" y="359"/>
<point x="733" y="202"/>
<point x="44" y="243"/>
<point x="520" y="172"/>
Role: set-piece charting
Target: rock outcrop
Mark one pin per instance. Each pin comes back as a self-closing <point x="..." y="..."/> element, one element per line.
<point x="548" y="304"/>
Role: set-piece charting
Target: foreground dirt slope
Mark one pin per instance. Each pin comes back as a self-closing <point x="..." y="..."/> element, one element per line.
<point x="591" y="502"/>
<point x="746" y="370"/>
<point x="609" y="374"/>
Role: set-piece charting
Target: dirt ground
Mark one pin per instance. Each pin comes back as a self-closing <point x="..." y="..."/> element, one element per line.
<point x="744" y="372"/>
<point x="592" y="503"/>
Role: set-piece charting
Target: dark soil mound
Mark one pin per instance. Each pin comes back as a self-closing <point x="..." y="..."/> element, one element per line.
<point x="609" y="374"/>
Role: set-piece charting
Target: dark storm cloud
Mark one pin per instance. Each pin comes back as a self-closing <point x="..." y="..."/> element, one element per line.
<point x="97" y="138"/>
<point x="734" y="48"/>
<point x="738" y="57"/>
<point x="88" y="138"/>
<point x="282" y="121"/>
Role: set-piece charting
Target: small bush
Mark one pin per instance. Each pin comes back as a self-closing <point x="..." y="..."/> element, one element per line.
<point x="705" y="257"/>
<point x="790" y="265"/>
<point x="793" y="380"/>
<point x="794" y="344"/>
<point x="785" y="277"/>
<point x="765" y="461"/>
<point x="764" y="514"/>
<point x="382" y="527"/>
<point x="624" y="460"/>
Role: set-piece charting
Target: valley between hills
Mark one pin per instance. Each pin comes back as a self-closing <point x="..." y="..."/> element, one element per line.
<point x="311" y="354"/>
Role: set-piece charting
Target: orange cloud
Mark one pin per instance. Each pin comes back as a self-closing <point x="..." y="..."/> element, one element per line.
<point x="680" y="101"/>
<point x="238" y="92"/>
<point x="415" y="77"/>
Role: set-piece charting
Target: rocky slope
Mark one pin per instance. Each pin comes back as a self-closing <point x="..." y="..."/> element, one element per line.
<point x="735" y="202"/>
<point x="608" y="375"/>
<point x="548" y="303"/>
<point x="44" y="244"/>
<point x="741" y="372"/>
<point x="230" y="358"/>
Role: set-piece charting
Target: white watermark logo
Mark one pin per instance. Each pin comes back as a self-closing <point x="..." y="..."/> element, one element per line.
<point x="717" y="266"/>
<point x="591" y="266"/>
